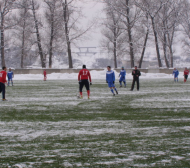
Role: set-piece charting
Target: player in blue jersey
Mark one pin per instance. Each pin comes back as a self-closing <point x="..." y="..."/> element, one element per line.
<point x="175" y="74"/>
<point x="110" y="79"/>
<point x="10" y="76"/>
<point x="122" y="77"/>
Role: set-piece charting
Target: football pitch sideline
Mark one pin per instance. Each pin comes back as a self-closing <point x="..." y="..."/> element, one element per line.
<point x="44" y="125"/>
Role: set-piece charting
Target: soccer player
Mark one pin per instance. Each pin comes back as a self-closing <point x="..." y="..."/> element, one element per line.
<point x="136" y="73"/>
<point x="84" y="77"/>
<point x="10" y="76"/>
<point x="122" y="77"/>
<point x="3" y="80"/>
<point x="175" y="73"/>
<point x="110" y="79"/>
<point x="186" y="73"/>
<point x="45" y="75"/>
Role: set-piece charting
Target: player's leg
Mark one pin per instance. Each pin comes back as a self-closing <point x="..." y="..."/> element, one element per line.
<point x="120" y="81"/>
<point x="185" y="78"/>
<point x="3" y="91"/>
<point x="133" y="84"/>
<point x="87" y="88"/>
<point x="177" y="78"/>
<point x="113" y="86"/>
<point x="12" y="81"/>
<point x="80" y="88"/>
<point x="137" y="83"/>
<point x="8" y="81"/>
<point x="124" y="81"/>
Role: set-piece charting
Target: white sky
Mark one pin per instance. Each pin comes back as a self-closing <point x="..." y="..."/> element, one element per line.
<point x="93" y="12"/>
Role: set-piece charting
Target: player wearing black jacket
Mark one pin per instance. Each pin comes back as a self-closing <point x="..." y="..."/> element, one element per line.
<point x="136" y="73"/>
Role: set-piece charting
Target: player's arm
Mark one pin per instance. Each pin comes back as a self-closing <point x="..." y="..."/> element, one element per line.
<point x="89" y="76"/>
<point x="79" y="75"/>
<point x="4" y="77"/>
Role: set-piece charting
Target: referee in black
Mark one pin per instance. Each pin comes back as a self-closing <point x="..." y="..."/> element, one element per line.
<point x="136" y="73"/>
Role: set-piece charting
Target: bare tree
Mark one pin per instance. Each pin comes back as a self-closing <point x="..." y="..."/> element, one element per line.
<point x="5" y="8"/>
<point x="23" y="30"/>
<point x="112" y="33"/>
<point x="185" y="23"/>
<point x="145" y="23"/>
<point x="34" y="8"/>
<point x="130" y="15"/>
<point x="168" y="22"/>
<point x="153" y="7"/>
<point x="72" y="13"/>
<point x="54" y="20"/>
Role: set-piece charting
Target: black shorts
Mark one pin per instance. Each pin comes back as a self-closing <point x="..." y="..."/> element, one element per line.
<point x="84" y="83"/>
<point x="186" y="76"/>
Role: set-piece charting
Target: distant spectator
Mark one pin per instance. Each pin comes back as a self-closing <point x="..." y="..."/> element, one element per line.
<point x="45" y="75"/>
<point x="3" y="80"/>
<point x="122" y="77"/>
<point x="175" y="74"/>
<point x="10" y="76"/>
<point x="186" y="73"/>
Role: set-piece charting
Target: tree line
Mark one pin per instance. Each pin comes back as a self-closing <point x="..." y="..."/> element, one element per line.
<point x="47" y="26"/>
<point x="130" y="24"/>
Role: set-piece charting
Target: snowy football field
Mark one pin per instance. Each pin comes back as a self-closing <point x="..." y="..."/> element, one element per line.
<point x="44" y="125"/>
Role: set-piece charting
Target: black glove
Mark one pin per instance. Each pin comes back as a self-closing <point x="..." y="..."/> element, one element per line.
<point x="80" y="82"/>
<point x="113" y="82"/>
<point x="90" y="83"/>
<point x="106" y="81"/>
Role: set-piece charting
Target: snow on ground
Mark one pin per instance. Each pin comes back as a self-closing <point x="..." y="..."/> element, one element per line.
<point x="95" y="75"/>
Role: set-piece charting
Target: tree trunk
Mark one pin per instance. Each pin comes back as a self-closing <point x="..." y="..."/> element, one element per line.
<point x="144" y="48"/>
<point x="115" y="53"/>
<point x="65" y="14"/>
<point x="2" y="42"/>
<point x="38" y="38"/>
<point x="22" y="50"/>
<point x="23" y="44"/>
<point x="156" y="43"/>
<point x="171" y="56"/>
<point x="170" y="40"/>
<point x="165" y="51"/>
<point x="69" y="55"/>
<point x="130" y="35"/>
<point x="51" y="42"/>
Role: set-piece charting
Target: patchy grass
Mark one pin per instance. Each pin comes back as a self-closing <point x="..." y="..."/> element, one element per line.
<point x="44" y="125"/>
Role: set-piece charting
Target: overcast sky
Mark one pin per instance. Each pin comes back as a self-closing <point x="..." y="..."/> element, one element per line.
<point x="93" y="12"/>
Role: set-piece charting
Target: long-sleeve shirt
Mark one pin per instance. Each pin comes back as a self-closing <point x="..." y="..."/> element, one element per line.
<point x="10" y="74"/>
<point x="3" y="75"/>
<point x="84" y="74"/>
<point x="110" y="76"/>
<point x="175" y="73"/>
<point x="186" y="72"/>
<point x="136" y="73"/>
<point x="122" y="73"/>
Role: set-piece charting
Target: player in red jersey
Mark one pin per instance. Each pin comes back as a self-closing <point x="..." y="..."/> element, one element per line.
<point x="3" y="75"/>
<point x="45" y="75"/>
<point x="84" y="78"/>
<point x="186" y="73"/>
